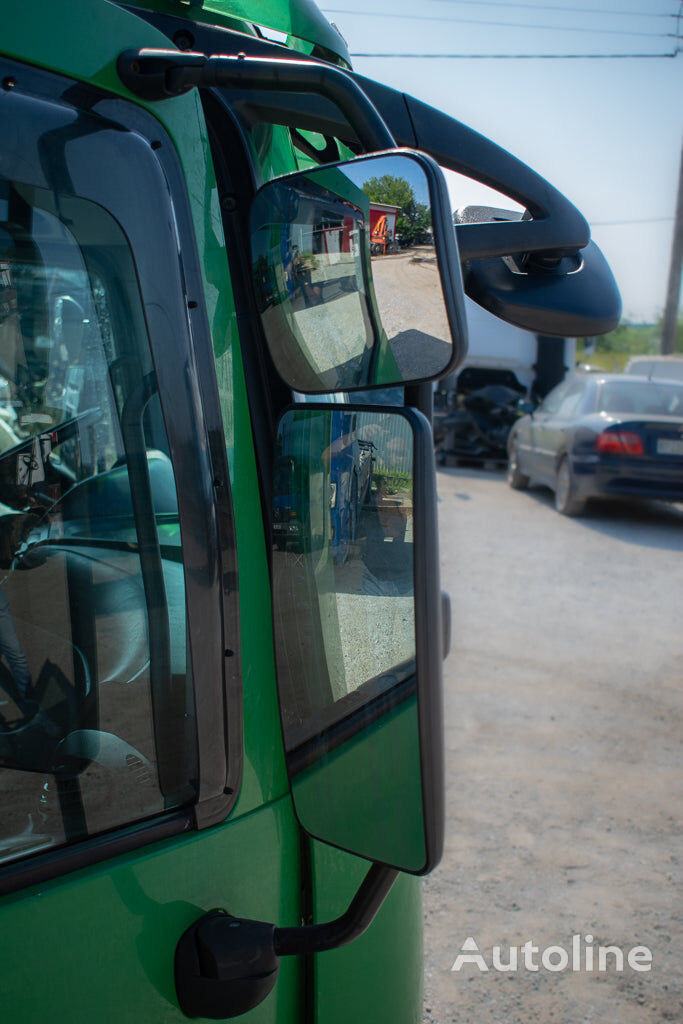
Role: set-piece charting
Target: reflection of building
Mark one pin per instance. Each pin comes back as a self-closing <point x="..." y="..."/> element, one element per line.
<point x="329" y="235"/>
<point x="382" y="225"/>
<point x="336" y="234"/>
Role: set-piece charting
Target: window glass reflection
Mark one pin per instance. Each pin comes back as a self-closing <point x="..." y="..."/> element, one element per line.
<point x="96" y="706"/>
<point x="346" y="273"/>
<point x="343" y="563"/>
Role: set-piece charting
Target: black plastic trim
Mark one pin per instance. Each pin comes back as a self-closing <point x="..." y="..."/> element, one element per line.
<point x="166" y="719"/>
<point x="265" y="389"/>
<point x="429" y="639"/>
<point x="578" y="298"/>
<point x="225" y="965"/>
<point x="218" y="678"/>
<point x="43" y="867"/>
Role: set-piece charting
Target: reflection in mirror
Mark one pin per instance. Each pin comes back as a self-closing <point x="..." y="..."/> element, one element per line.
<point x="344" y="610"/>
<point x="347" y="265"/>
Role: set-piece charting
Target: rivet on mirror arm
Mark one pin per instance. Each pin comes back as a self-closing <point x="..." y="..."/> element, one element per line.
<point x="183" y="40"/>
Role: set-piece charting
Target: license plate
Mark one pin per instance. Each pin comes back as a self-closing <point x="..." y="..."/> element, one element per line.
<point x="668" y="447"/>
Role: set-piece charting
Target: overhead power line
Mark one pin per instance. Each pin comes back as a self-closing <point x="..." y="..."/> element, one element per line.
<point x="522" y="56"/>
<point x="637" y="220"/>
<point x="561" y="7"/>
<point x="498" y="24"/>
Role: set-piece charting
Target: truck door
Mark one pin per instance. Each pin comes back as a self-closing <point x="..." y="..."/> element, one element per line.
<point x="120" y="701"/>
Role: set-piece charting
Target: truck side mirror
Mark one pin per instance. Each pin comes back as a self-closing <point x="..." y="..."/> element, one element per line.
<point x="357" y="275"/>
<point x="358" y="638"/>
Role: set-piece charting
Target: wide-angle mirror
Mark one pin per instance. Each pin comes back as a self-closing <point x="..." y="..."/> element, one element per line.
<point x="357" y="635"/>
<point x="357" y="275"/>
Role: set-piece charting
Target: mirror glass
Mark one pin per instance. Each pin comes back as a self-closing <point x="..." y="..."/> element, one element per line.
<point x="347" y="270"/>
<point x="344" y="611"/>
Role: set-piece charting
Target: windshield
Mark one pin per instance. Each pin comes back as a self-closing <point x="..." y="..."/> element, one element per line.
<point x="642" y="397"/>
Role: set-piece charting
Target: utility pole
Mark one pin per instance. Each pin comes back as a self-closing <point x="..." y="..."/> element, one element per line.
<point x="673" y="291"/>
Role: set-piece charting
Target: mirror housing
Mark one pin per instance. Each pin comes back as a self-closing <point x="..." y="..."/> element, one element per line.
<point x="344" y="305"/>
<point x="546" y="293"/>
<point x="358" y="637"/>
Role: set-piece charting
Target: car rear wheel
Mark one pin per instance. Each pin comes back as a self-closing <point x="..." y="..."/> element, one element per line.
<point x="566" y="501"/>
<point x="518" y="481"/>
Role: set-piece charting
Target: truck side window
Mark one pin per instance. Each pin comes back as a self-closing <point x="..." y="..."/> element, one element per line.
<point x="96" y="708"/>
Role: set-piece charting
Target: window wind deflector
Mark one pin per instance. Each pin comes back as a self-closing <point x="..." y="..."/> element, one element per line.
<point x="160" y="74"/>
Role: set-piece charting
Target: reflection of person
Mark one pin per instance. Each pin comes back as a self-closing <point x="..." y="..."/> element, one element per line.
<point x="13" y="651"/>
<point x="301" y="271"/>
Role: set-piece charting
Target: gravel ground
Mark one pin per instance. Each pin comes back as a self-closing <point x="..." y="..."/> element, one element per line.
<point x="408" y="291"/>
<point x="563" y="728"/>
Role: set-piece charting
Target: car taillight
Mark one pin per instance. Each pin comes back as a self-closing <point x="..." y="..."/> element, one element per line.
<point x="633" y="443"/>
<point x="613" y="442"/>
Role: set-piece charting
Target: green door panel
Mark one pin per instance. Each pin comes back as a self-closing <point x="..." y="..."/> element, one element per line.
<point x="378" y="977"/>
<point x="97" y="946"/>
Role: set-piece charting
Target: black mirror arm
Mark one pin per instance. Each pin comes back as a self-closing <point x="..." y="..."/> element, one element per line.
<point x="421" y="397"/>
<point x="226" y="965"/>
<point x="160" y="74"/>
<point x="556" y="226"/>
<point x="381" y="118"/>
<point x="316" y="938"/>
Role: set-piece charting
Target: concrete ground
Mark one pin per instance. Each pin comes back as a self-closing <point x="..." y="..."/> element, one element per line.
<point x="563" y="696"/>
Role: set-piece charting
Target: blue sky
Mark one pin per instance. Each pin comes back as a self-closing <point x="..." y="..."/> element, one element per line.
<point x="405" y="168"/>
<point x="606" y="132"/>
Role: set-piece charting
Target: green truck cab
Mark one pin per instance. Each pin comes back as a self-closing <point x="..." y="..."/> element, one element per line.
<point x="220" y="754"/>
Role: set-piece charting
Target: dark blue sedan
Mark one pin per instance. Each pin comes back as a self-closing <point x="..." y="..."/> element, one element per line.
<point x="601" y="436"/>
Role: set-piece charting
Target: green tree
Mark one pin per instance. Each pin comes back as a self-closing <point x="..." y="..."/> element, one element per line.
<point x="628" y="339"/>
<point x="413" y="218"/>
